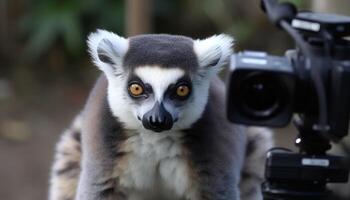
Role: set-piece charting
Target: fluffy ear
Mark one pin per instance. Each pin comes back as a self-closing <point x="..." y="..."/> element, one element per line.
<point x="107" y="51"/>
<point x="213" y="53"/>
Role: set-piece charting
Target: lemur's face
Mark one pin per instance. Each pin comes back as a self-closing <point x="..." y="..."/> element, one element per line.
<point x="158" y="96"/>
<point x="158" y="82"/>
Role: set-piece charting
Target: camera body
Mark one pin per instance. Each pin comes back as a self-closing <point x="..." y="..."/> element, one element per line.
<point x="261" y="89"/>
<point x="266" y="90"/>
<point x="310" y="83"/>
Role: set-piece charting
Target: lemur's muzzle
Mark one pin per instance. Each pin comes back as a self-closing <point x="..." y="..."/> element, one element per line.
<point x="157" y="119"/>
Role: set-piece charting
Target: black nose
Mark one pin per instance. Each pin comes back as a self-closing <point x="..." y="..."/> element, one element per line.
<point x="157" y="119"/>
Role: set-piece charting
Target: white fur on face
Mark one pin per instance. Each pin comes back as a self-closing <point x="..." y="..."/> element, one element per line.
<point x="159" y="78"/>
<point x="121" y="105"/>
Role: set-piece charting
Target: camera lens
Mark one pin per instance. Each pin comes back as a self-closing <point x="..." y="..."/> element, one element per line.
<point x="261" y="95"/>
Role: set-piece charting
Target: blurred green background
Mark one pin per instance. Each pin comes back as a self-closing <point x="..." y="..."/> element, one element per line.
<point x="46" y="74"/>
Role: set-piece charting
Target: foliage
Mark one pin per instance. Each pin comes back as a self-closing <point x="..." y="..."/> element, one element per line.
<point x="298" y="3"/>
<point x="49" y="22"/>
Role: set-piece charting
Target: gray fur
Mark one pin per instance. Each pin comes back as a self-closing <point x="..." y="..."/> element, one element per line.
<point x="100" y="146"/>
<point x="216" y="148"/>
<point x="161" y="50"/>
<point x="259" y="142"/>
<point x="66" y="168"/>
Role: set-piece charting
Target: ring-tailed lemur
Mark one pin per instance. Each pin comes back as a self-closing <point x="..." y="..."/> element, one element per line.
<point x="154" y="126"/>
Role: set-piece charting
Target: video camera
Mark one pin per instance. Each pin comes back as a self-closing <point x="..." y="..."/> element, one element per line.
<point x="311" y="83"/>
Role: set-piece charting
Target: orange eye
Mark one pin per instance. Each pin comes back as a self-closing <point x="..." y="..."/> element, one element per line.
<point x="182" y="90"/>
<point x="135" y="89"/>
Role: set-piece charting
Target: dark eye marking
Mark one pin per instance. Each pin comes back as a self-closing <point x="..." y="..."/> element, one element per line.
<point x="137" y="89"/>
<point x="148" y="88"/>
<point x="181" y="90"/>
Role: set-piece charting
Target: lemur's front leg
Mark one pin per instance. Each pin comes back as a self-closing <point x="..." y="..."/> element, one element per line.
<point x="100" y="134"/>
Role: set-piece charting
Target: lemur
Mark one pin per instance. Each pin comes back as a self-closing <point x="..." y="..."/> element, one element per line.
<point x="154" y="126"/>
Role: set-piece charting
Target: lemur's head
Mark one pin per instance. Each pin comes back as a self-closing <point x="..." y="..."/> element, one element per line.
<point x="158" y="82"/>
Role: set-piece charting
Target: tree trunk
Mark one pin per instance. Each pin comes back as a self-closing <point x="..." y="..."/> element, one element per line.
<point x="332" y="6"/>
<point x="138" y="16"/>
<point x="3" y="25"/>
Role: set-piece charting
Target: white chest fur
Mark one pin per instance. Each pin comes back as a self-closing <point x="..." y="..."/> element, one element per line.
<point x="156" y="166"/>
